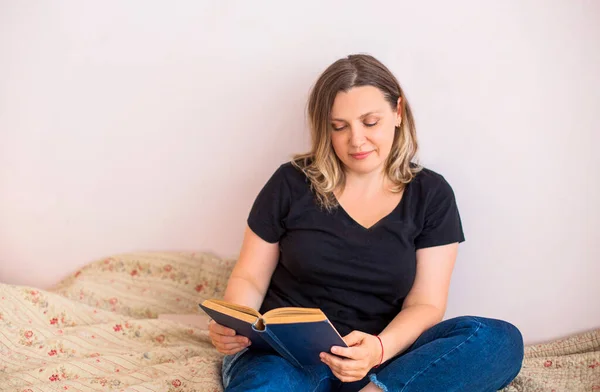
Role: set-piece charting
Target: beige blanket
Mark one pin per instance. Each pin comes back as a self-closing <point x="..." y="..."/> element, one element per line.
<point x="98" y="331"/>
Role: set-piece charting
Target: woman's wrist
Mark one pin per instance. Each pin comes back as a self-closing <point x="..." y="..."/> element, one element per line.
<point x="387" y="344"/>
<point x="380" y="354"/>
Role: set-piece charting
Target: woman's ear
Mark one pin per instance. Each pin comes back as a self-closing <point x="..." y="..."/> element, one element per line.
<point x="399" y="112"/>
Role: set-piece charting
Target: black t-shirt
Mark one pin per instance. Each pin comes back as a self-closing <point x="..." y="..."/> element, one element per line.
<point x="358" y="277"/>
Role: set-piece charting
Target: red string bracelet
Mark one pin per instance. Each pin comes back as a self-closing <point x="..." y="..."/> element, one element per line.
<point x="381" y="343"/>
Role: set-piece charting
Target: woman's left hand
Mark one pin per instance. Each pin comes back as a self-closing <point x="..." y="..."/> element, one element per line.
<point x="363" y="353"/>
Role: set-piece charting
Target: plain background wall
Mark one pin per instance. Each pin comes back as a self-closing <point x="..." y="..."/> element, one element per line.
<point x="128" y="126"/>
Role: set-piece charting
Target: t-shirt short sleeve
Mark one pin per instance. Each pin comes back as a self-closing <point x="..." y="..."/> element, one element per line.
<point x="442" y="224"/>
<point x="270" y="208"/>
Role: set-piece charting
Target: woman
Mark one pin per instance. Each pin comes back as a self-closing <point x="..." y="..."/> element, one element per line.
<point x="356" y="229"/>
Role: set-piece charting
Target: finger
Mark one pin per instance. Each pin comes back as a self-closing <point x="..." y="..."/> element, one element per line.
<point x="346" y="368"/>
<point x="343" y="377"/>
<point x="221" y="330"/>
<point x="358" y="373"/>
<point x="340" y="364"/>
<point x="229" y="339"/>
<point x="229" y="351"/>
<point x="354" y="338"/>
<point x="230" y="346"/>
<point x="356" y="352"/>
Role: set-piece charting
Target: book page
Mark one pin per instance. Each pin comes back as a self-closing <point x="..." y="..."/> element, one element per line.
<point x="238" y="311"/>
<point x="293" y="315"/>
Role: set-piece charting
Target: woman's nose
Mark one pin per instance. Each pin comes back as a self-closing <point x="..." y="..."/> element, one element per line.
<point x="357" y="136"/>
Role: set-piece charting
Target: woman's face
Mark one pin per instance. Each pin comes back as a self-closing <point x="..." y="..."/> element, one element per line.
<point x="363" y="125"/>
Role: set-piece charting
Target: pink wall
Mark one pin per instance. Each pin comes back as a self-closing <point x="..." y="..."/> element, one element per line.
<point x="126" y="127"/>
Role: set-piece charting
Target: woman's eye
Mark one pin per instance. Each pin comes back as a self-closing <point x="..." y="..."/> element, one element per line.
<point x="371" y="124"/>
<point x="338" y="128"/>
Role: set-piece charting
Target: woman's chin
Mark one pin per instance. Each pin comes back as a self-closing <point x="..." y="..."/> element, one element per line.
<point x="363" y="167"/>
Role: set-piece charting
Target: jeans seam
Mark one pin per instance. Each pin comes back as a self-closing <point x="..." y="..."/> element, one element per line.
<point x="226" y="372"/>
<point x="319" y="383"/>
<point x="440" y="358"/>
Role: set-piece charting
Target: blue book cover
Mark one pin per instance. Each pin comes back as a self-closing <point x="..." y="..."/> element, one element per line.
<point x="297" y="334"/>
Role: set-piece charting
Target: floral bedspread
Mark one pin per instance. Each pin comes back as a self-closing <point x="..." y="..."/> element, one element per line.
<point x="98" y="331"/>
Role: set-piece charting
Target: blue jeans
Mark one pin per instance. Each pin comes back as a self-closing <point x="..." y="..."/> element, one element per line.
<point x="461" y="354"/>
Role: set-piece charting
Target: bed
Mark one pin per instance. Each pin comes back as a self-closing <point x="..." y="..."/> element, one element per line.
<point x="100" y="330"/>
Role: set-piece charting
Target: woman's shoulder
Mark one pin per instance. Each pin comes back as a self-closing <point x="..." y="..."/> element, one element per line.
<point x="428" y="181"/>
<point x="290" y="169"/>
<point x="292" y="176"/>
<point x="428" y="176"/>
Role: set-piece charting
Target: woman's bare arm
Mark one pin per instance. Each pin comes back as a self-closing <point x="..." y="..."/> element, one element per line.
<point x="252" y="273"/>
<point x="247" y="286"/>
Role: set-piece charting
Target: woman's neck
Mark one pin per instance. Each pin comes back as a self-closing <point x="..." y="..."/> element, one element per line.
<point x="367" y="184"/>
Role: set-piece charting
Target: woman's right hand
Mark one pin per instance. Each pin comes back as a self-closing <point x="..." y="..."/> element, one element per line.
<point x="225" y="339"/>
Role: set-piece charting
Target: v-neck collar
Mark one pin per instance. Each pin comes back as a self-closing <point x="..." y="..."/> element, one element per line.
<point x="382" y="219"/>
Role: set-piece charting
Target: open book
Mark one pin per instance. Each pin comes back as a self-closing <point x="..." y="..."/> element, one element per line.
<point x="297" y="334"/>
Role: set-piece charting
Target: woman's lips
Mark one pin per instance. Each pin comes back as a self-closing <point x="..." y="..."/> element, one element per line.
<point x="361" y="155"/>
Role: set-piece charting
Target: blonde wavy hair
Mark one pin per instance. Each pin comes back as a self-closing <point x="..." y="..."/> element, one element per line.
<point x="321" y="165"/>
